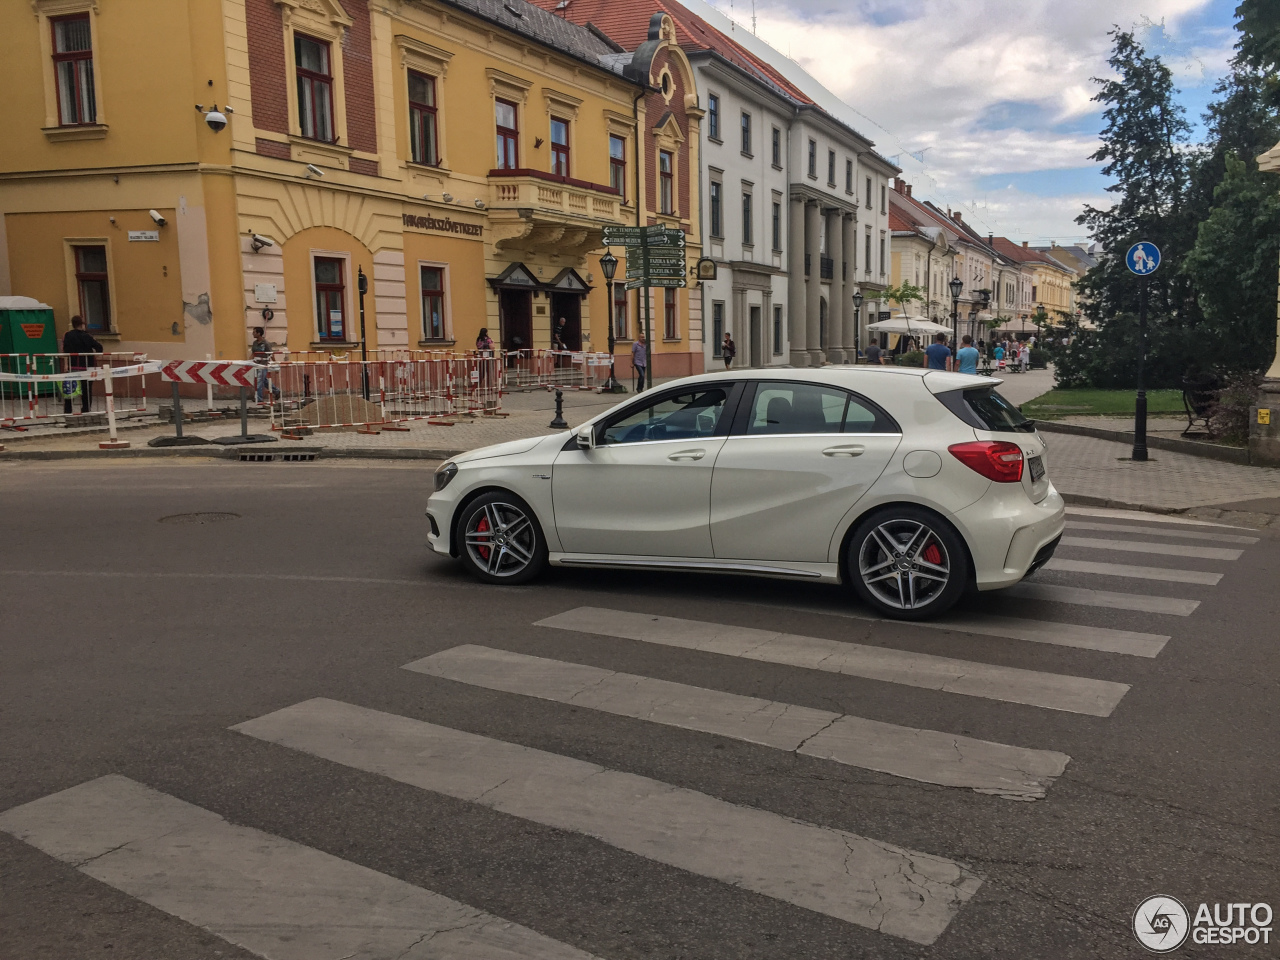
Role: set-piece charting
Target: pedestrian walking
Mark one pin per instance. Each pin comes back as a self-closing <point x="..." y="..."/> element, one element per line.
<point x="937" y="356"/>
<point x="78" y="342"/>
<point x="1024" y="357"/>
<point x="260" y="351"/>
<point x="728" y="350"/>
<point x="967" y="356"/>
<point x="639" y="360"/>
<point x="999" y="355"/>
<point x="484" y="351"/>
<point x="875" y="354"/>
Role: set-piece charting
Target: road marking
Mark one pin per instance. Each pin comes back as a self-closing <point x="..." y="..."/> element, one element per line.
<point x="1013" y="685"/>
<point x="1145" y="517"/>
<point x="274" y="897"/>
<point x="1137" y="573"/>
<point x="1152" y="532"/>
<point x="166" y="574"/>
<point x="1163" y="549"/>
<point x="1101" y="598"/>
<point x="840" y="874"/>
<point x="1104" y="639"/>
<point x="929" y="756"/>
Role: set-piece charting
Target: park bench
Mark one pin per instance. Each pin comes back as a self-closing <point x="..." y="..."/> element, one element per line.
<point x="1198" y="399"/>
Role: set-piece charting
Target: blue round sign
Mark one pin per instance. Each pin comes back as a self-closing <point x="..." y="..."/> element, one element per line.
<point x="1143" y="258"/>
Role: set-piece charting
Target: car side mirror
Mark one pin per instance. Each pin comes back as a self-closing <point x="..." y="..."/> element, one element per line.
<point x="586" y="437"/>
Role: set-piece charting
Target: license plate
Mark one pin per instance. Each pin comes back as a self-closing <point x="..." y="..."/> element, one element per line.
<point x="1036" y="465"/>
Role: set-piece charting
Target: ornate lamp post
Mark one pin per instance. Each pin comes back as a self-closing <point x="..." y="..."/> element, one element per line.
<point x="608" y="267"/>
<point x="857" y="325"/>
<point x="956" y="286"/>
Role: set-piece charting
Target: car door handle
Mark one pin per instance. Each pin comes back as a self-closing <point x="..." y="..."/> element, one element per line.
<point x="688" y="455"/>
<point x="845" y="450"/>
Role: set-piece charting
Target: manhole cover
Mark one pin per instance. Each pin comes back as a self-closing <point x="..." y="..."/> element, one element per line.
<point x="199" y="517"/>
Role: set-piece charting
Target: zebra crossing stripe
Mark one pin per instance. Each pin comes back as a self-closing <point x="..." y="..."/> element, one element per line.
<point x="1168" y="574"/>
<point x="1152" y="532"/>
<point x="271" y="896"/>
<point x="1143" y="517"/>
<point x="1010" y="684"/>
<point x="1082" y="596"/>
<point x="1163" y="549"/>
<point x="928" y="756"/>
<point x="833" y="872"/>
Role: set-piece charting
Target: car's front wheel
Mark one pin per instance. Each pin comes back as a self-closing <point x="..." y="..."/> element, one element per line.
<point x="501" y="539"/>
<point x="907" y="563"/>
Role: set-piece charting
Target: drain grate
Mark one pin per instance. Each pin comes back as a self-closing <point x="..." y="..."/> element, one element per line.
<point x="277" y="457"/>
<point x="200" y="517"/>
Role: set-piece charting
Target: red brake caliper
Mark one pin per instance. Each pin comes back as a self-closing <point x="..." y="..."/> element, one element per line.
<point x="483" y="527"/>
<point x="932" y="554"/>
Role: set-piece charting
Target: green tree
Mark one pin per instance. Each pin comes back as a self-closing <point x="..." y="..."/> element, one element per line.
<point x="905" y="292"/>
<point x="1259" y="46"/>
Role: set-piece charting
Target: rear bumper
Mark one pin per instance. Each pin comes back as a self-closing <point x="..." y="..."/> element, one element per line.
<point x="1009" y="537"/>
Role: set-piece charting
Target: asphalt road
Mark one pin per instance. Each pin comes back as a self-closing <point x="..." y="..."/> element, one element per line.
<point x="132" y="643"/>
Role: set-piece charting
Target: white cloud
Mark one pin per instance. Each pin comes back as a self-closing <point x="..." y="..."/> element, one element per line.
<point x="985" y="87"/>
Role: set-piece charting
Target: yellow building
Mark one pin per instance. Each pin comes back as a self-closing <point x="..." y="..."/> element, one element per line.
<point x="462" y="155"/>
<point x="1051" y="287"/>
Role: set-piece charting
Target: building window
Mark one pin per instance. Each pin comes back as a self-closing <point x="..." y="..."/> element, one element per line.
<point x="777" y="226"/>
<point x="848" y="176"/>
<point x="868" y="193"/>
<point x="883" y="195"/>
<point x="867" y="254"/>
<point x="620" y="311"/>
<point x="618" y="165"/>
<point x="748" y="235"/>
<point x="331" y="298"/>
<point x="746" y="133"/>
<point x="422" y="119"/>
<point x="713" y="117"/>
<point x="717" y="224"/>
<point x="670" y="328"/>
<point x="315" y="88"/>
<point x="666" y="171"/>
<point x="717" y="328"/>
<point x="882" y="256"/>
<point x="831" y="168"/>
<point x="777" y="331"/>
<point x="777" y="147"/>
<point x="91" y="281"/>
<point x="559" y="147"/>
<point x="73" y="67"/>
<point x="813" y="159"/>
<point x="1033" y="292"/>
<point x="432" y="303"/>
<point x="508" y="134"/>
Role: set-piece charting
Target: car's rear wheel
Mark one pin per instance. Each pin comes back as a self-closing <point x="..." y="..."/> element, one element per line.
<point x="501" y="539"/>
<point x="907" y="563"/>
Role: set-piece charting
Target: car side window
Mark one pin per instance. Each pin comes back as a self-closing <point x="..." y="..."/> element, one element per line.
<point x="683" y="416"/>
<point x="781" y="407"/>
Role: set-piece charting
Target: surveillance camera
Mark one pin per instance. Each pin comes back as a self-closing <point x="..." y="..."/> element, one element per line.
<point x="155" y="215"/>
<point x="258" y="241"/>
<point x="479" y="204"/>
<point x="314" y="171"/>
<point x="216" y="120"/>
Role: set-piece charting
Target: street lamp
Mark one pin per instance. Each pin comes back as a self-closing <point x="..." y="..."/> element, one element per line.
<point x="608" y="267"/>
<point x="857" y="324"/>
<point x="956" y="286"/>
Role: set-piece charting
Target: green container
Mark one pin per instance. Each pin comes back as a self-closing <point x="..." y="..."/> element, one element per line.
<point x="26" y="327"/>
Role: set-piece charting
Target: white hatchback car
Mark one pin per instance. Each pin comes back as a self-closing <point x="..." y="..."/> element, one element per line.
<point x="909" y="485"/>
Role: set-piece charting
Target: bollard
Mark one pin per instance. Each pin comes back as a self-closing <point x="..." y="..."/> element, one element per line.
<point x="114" y="443"/>
<point x="559" y="422"/>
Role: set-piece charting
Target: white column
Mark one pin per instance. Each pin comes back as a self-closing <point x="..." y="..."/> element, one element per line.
<point x="766" y="328"/>
<point x="813" y="283"/>
<point x="836" y="308"/>
<point x="796" y="327"/>
<point x="852" y="320"/>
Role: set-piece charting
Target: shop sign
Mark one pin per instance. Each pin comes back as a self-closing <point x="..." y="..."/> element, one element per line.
<point x="444" y="225"/>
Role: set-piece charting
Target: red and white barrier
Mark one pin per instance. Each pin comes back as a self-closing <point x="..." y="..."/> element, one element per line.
<point x="218" y="373"/>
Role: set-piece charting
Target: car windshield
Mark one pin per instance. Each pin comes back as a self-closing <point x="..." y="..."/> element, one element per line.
<point x="997" y="413"/>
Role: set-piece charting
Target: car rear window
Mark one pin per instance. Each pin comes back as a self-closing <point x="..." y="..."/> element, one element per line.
<point x="985" y="409"/>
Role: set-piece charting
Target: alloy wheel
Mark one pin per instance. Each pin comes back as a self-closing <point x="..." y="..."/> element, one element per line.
<point x="904" y="564"/>
<point x="501" y="539"/>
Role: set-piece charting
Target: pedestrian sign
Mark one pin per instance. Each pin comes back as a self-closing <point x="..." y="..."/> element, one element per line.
<point x="1143" y="258"/>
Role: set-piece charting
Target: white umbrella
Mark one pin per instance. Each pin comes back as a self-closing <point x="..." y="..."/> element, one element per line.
<point x="908" y="326"/>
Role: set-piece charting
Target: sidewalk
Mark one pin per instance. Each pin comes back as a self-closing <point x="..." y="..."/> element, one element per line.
<point x="1085" y="469"/>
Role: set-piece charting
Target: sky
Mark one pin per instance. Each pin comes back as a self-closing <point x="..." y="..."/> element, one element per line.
<point x="985" y="104"/>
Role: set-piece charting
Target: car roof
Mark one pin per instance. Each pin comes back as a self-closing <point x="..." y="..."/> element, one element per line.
<point x="863" y="376"/>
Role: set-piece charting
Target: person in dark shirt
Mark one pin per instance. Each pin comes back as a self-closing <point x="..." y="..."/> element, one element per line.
<point x="937" y="356"/>
<point x="78" y="341"/>
<point x="874" y="354"/>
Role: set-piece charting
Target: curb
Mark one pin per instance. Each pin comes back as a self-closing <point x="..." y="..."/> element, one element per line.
<point x="1194" y="448"/>
<point x="218" y="452"/>
<point x="1081" y="500"/>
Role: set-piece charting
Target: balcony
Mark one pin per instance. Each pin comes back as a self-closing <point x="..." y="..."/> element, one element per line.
<point x="826" y="267"/>
<point x="544" y="192"/>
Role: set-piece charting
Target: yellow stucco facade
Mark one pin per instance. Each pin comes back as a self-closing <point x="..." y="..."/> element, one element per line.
<point x="512" y="248"/>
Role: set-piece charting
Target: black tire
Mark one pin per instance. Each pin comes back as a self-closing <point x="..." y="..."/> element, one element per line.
<point x="500" y="540"/>
<point x="907" y="563"/>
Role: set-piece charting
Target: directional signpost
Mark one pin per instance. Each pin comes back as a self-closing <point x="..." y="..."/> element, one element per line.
<point x="1142" y="260"/>
<point x="655" y="258"/>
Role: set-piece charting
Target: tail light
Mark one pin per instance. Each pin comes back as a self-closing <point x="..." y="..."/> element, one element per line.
<point x="997" y="460"/>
